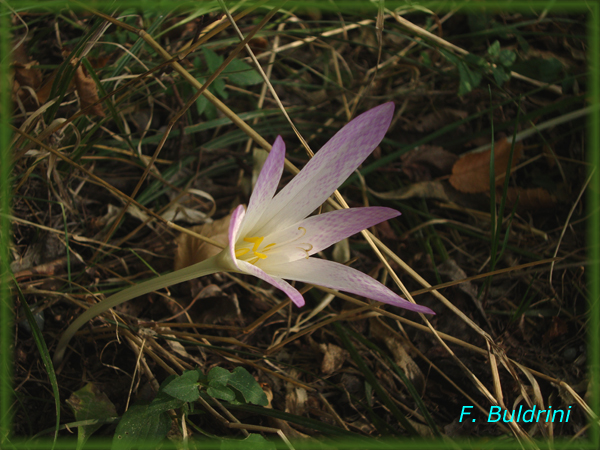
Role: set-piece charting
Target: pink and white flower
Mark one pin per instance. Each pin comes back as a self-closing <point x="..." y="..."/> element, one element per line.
<point x="274" y="238"/>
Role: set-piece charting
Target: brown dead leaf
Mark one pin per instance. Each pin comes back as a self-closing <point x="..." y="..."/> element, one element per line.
<point x="99" y="62"/>
<point x="174" y="31"/>
<point x="471" y="173"/>
<point x="531" y="199"/>
<point x="88" y="93"/>
<point x="438" y="119"/>
<point x="44" y="92"/>
<point x="26" y="77"/>
<point x="258" y="45"/>
<point x="296" y="397"/>
<point x="25" y="73"/>
<point x="191" y="250"/>
<point x="385" y="230"/>
<point x="282" y="425"/>
<point x="558" y="328"/>
<point x="418" y="164"/>
<point x="334" y="358"/>
<point x="178" y="348"/>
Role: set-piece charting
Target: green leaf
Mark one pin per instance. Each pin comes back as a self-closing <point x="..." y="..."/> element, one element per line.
<point x="213" y="61"/>
<point x="220" y="391"/>
<point x="89" y="403"/>
<point x="140" y="424"/>
<point x="246" y="384"/>
<point x="494" y="49"/>
<point x="201" y="102"/>
<point x="468" y="79"/>
<point x="475" y="60"/>
<point x="546" y="70"/>
<point x="242" y="74"/>
<point x="500" y="75"/>
<point x="217" y="381"/>
<point x="184" y="387"/>
<point x="218" y="375"/>
<point x="164" y="402"/>
<point x="210" y="112"/>
<point x="507" y="58"/>
<point x="523" y="43"/>
<point x="219" y="86"/>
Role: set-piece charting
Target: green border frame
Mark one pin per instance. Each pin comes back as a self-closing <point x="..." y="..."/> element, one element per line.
<point x="592" y="8"/>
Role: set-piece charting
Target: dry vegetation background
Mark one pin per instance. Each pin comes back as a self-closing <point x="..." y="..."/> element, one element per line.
<point x="113" y="156"/>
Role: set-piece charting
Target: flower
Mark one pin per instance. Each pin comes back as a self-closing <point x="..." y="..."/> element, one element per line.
<point x="274" y="239"/>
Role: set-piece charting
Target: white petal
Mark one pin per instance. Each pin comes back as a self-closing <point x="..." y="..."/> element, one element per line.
<point x="330" y="167"/>
<point x="266" y="185"/>
<point x="289" y="290"/>
<point x="337" y="276"/>
<point x="322" y="231"/>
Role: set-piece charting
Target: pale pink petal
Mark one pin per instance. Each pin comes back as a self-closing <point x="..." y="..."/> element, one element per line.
<point x="330" y="167"/>
<point x="337" y="276"/>
<point x="237" y="218"/>
<point x="286" y="287"/>
<point x="266" y="185"/>
<point x="324" y="230"/>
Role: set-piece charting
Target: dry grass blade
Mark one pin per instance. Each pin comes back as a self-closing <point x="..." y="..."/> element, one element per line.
<point x="484" y="275"/>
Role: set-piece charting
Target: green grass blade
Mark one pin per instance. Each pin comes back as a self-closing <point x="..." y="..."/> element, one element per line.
<point x="409" y="386"/>
<point x="372" y="380"/>
<point x="45" y="355"/>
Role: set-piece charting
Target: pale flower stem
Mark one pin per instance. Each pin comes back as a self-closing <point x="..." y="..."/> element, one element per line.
<point x="206" y="267"/>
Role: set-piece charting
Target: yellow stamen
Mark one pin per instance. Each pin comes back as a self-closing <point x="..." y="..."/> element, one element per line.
<point x="255" y="241"/>
<point x="241" y="252"/>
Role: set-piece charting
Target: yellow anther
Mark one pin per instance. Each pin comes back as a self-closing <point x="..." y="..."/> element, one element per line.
<point x="257" y="241"/>
<point x="254" y="240"/>
<point x="260" y="255"/>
